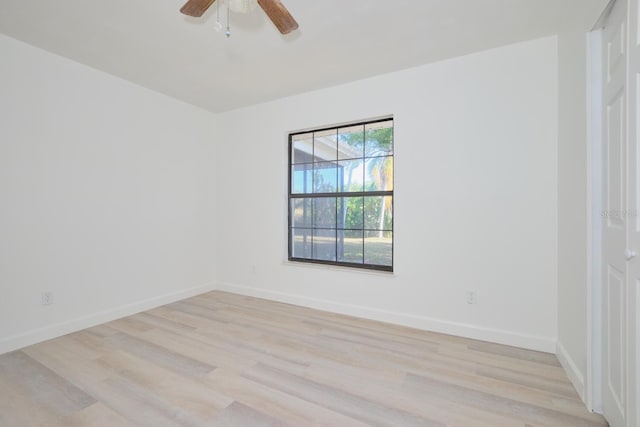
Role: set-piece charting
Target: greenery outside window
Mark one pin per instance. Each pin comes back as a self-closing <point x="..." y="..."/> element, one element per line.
<point x="341" y="195"/>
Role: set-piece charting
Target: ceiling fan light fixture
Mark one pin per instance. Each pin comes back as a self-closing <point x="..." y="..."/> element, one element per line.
<point x="242" y="6"/>
<point x="275" y="10"/>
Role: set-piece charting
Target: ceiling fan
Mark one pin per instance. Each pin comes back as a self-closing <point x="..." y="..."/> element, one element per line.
<point x="274" y="9"/>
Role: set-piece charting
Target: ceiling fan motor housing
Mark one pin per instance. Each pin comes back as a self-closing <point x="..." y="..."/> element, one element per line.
<point x="242" y="6"/>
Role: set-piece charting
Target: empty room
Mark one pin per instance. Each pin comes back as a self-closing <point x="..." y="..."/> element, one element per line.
<point x="320" y="213"/>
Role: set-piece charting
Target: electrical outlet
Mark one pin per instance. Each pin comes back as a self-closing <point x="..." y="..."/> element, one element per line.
<point x="472" y="297"/>
<point x="47" y="298"/>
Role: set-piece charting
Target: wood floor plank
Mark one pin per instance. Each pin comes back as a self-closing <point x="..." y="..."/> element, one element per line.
<point x="99" y="415"/>
<point x="559" y="388"/>
<point x="382" y="391"/>
<point x="500" y="361"/>
<point x="291" y="409"/>
<point x="101" y="331"/>
<point x="529" y="412"/>
<point x="190" y="308"/>
<point x="140" y="405"/>
<point x="156" y="321"/>
<point x="160" y="355"/>
<point x="514" y="352"/>
<point x="19" y="408"/>
<point x="185" y="392"/>
<point x="44" y="385"/>
<point x="182" y="317"/>
<point x="255" y="350"/>
<point x="335" y="399"/>
<point x="238" y="415"/>
<point x="220" y="359"/>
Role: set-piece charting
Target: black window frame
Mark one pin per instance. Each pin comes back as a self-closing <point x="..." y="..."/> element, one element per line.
<point x="341" y="194"/>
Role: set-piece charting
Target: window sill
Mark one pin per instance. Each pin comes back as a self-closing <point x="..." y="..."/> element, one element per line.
<point x="389" y="274"/>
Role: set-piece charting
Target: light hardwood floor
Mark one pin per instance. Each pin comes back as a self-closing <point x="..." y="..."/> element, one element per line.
<point x="227" y="360"/>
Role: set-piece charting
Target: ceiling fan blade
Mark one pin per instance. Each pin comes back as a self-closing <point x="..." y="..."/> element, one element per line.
<point x="279" y="15"/>
<point x="196" y="7"/>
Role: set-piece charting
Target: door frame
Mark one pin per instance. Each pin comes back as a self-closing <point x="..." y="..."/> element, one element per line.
<point x="593" y="379"/>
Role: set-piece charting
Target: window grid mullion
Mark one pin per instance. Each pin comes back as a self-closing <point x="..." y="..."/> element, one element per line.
<point x="342" y="194"/>
<point x="364" y="185"/>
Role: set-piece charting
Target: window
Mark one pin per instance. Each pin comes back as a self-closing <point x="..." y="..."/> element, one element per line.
<point x="341" y="195"/>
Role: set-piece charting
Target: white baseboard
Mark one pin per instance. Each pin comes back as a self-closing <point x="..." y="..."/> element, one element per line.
<point x="34" y="336"/>
<point x="545" y="344"/>
<point x="575" y="376"/>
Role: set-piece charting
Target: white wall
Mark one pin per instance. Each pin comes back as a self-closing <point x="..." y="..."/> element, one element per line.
<point x="475" y="201"/>
<point x="109" y="199"/>
<point x="106" y="196"/>
<point x="572" y="206"/>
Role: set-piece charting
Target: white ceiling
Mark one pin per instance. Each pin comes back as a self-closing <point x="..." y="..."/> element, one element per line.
<point x="150" y="43"/>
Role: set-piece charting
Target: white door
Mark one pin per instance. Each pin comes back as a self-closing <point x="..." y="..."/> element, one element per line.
<point x="614" y="227"/>
<point x="633" y="224"/>
<point x="621" y="216"/>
